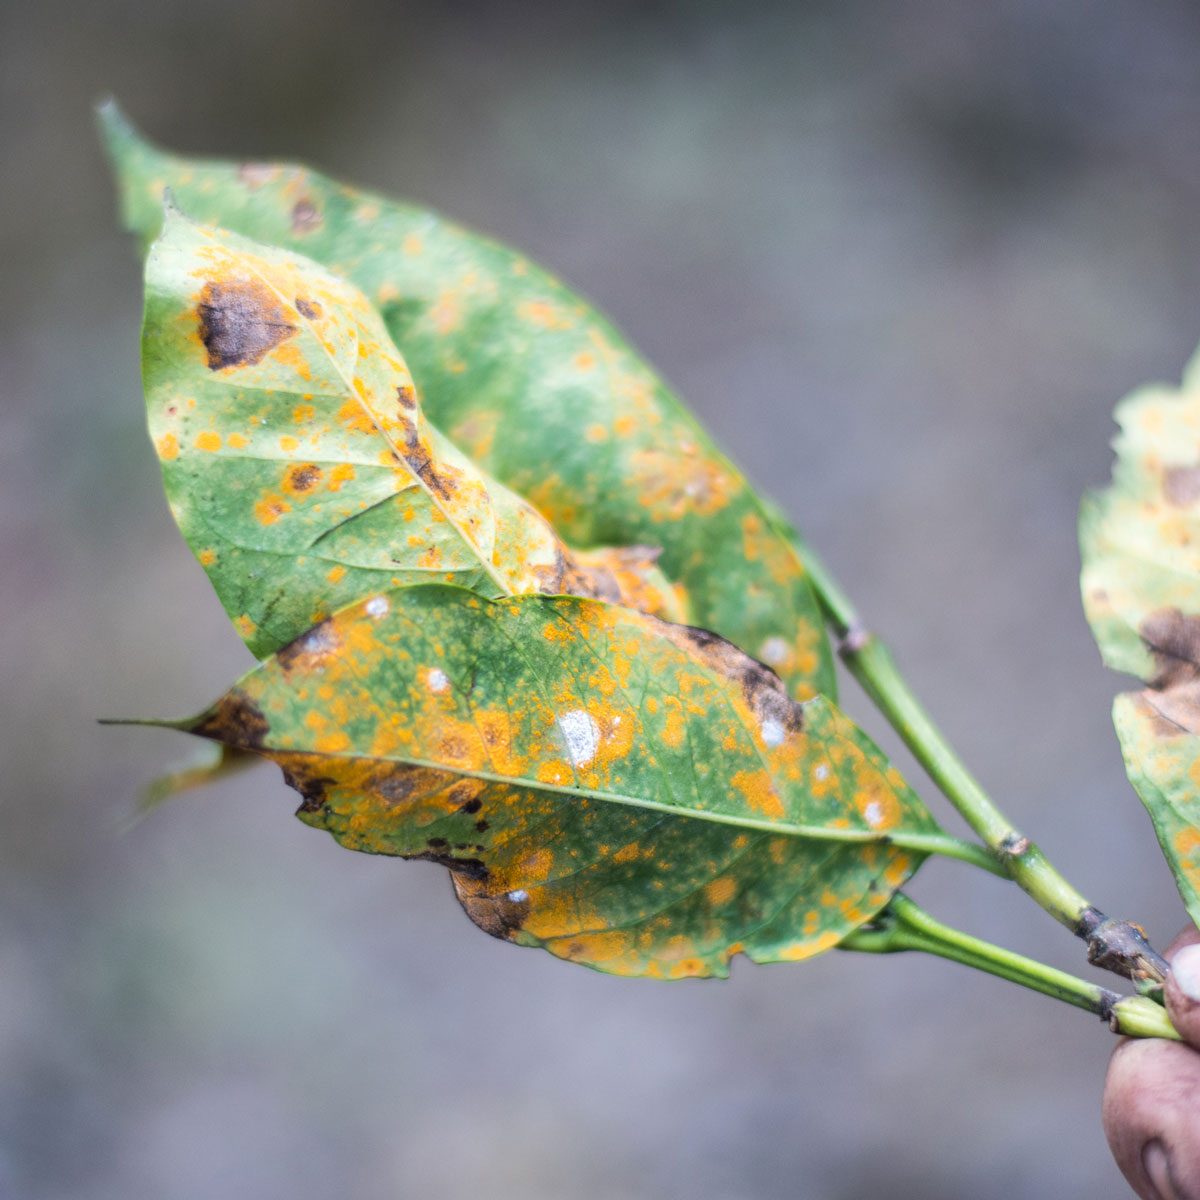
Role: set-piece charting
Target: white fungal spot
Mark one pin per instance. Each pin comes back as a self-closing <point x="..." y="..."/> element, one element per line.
<point x="377" y="607"/>
<point x="821" y="772"/>
<point x="519" y="896"/>
<point x="436" y="679"/>
<point x="772" y="732"/>
<point x="774" y="651"/>
<point x="874" y="814"/>
<point x="581" y="735"/>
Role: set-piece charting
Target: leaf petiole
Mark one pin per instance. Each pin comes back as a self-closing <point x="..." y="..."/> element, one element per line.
<point x="904" y="925"/>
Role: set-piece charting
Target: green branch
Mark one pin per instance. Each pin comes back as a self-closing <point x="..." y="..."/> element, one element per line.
<point x="1117" y="946"/>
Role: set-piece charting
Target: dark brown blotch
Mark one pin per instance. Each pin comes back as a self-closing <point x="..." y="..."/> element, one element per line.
<point x="406" y="397"/>
<point x="234" y="720"/>
<point x="308" y="308"/>
<point x="303" y="477"/>
<point x="312" y="788"/>
<point x="763" y="690"/>
<point x="1173" y="638"/>
<point x="500" y="914"/>
<point x="420" y="461"/>
<point x="311" y="648"/>
<point x="471" y="868"/>
<point x="240" y="323"/>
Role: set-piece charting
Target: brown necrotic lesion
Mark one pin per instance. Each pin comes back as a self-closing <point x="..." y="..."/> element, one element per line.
<point x="240" y="323"/>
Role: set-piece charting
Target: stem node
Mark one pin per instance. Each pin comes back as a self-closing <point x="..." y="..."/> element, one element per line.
<point x="1121" y="947"/>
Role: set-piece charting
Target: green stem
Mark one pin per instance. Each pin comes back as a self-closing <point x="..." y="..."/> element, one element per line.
<point x="904" y="925"/>
<point x="1115" y="945"/>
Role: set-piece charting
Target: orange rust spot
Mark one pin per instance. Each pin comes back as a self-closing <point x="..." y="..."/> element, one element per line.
<point x="352" y="414"/>
<point x="237" y="441"/>
<point x="897" y="870"/>
<point x="675" y="726"/>
<point x="758" y="792"/>
<point x="721" y="890"/>
<point x="340" y="474"/>
<point x="554" y="771"/>
<point x="301" y="477"/>
<point x="270" y="508"/>
<point x="208" y="440"/>
<point x="585" y="361"/>
<point x="207" y="557"/>
<point x="626" y="853"/>
<point x="303" y="413"/>
<point x="168" y="447"/>
<point x="596" y="433"/>
<point x="801" y="950"/>
<point x="336" y="574"/>
<point x="1187" y="841"/>
<point x="333" y="743"/>
<point x="245" y="626"/>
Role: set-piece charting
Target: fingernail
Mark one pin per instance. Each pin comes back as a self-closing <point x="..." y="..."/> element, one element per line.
<point x="1185" y="966"/>
<point x="1157" y="1166"/>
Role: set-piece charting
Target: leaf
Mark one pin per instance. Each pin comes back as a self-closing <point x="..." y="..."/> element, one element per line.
<point x="637" y="796"/>
<point x="1141" y="592"/>
<point x="298" y="462"/>
<point x="1161" y="759"/>
<point x="529" y="381"/>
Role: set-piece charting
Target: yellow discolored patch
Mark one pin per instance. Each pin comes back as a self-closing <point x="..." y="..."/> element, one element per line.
<point x="544" y="314"/>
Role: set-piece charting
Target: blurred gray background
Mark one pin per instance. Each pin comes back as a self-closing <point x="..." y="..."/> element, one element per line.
<point x="902" y="258"/>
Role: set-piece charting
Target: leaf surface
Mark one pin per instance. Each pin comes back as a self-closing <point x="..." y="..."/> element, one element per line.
<point x="1141" y="591"/>
<point x="530" y="382"/>
<point x="637" y="796"/>
<point x="299" y="464"/>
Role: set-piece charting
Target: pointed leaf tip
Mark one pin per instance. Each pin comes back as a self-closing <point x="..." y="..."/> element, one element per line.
<point x="116" y="129"/>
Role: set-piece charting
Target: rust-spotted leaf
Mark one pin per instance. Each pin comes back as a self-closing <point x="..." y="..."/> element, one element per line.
<point x="637" y="796"/>
<point x="297" y="459"/>
<point x="1141" y="591"/>
<point x="528" y="380"/>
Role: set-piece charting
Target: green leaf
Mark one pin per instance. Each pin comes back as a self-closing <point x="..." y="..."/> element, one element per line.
<point x="637" y="796"/>
<point x="1141" y="592"/>
<point x="1162" y="760"/>
<point x="298" y="462"/>
<point x="529" y="381"/>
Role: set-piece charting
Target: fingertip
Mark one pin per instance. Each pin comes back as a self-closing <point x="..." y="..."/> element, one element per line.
<point x="1151" y="1098"/>
<point x="1182" y="992"/>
